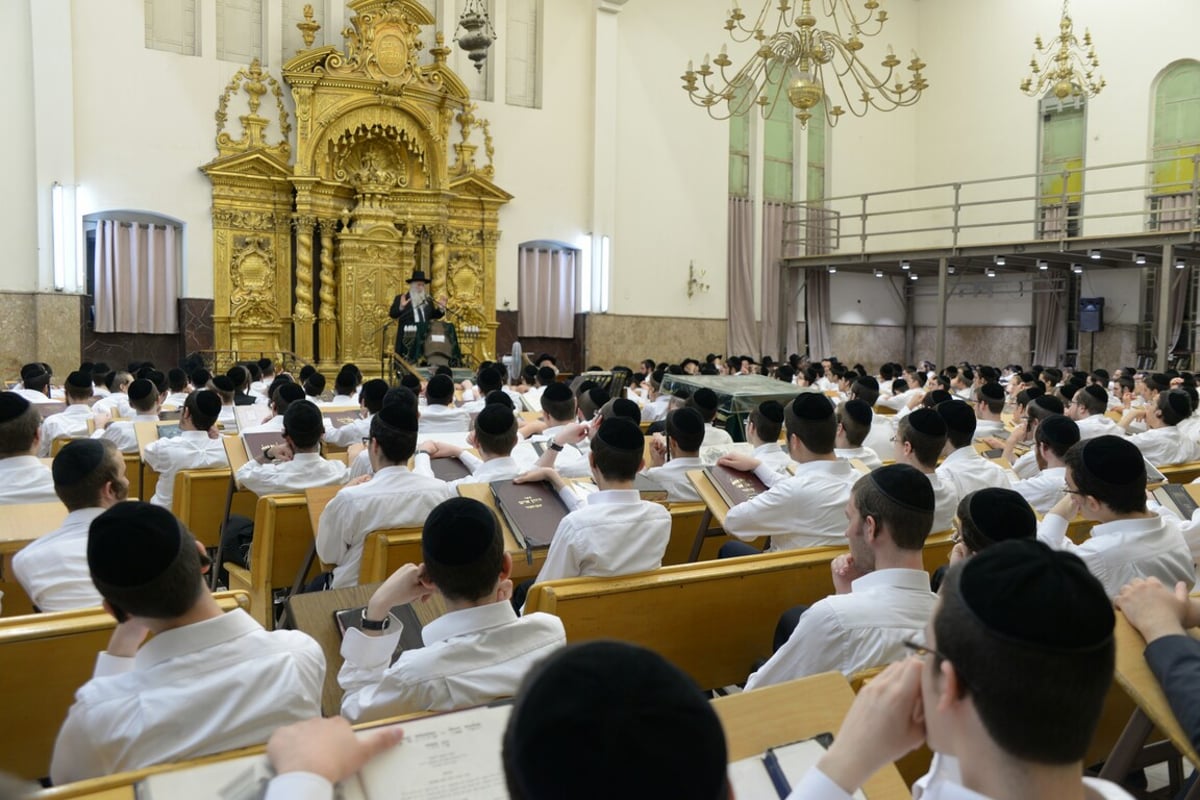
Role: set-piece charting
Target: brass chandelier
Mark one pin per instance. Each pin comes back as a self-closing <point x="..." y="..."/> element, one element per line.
<point x="804" y="64"/>
<point x="1067" y="65"/>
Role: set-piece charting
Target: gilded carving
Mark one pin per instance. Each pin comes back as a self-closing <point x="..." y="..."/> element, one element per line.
<point x="255" y="83"/>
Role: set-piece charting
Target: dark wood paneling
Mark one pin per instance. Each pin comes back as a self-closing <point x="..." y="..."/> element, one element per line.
<point x="568" y="352"/>
<point x="165" y="350"/>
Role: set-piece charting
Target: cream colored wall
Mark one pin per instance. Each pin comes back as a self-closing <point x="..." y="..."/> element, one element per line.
<point x="18" y="212"/>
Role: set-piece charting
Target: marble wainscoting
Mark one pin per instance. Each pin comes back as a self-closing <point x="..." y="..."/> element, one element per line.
<point x="1116" y="346"/>
<point x="977" y="344"/>
<point x="39" y="327"/>
<point x="620" y="339"/>
<point x="165" y="350"/>
<point x="196" y="324"/>
<point x="869" y="345"/>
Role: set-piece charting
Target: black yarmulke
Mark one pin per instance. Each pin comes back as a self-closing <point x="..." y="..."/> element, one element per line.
<point x="222" y="383"/>
<point x="557" y="392"/>
<point x="314" y="384"/>
<point x="992" y="391"/>
<point x="869" y="381"/>
<point x="1113" y="460"/>
<point x="303" y="418"/>
<point x="598" y="396"/>
<point x="649" y="730"/>
<point x="79" y="380"/>
<point x="208" y="402"/>
<point x="623" y="434"/>
<point x="140" y="389"/>
<point x="398" y="415"/>
<point x="131" y="544"/>
<point x="859" y="411"/>
<point x="31" y="371"/>
<point x="998" y="515"/>
<point x="77" y="460"/>
<point x="1059" y="430"/>
<point x="772" y="410"/>
<point x="499" y="398"/>
<point x="705" y="398"/>
<point x="458" y="532"/>
<point x="812" y="406"/>
<point x="1097" y="391"/>
<point x="547" y="376"/>
<point x="237" y="376"/>
<point x="1049" y="403"/>
<point x="1011" y="587"/>
<point x="495" y="419"/>
<point x="373" y="391"/>
<point x="927" y="421"/>
<point x="12" y="405"/>
<point x="1178" y="400"/>
<point x="905" y="486"/>
<point x="1158" y="381"/>
<point x="939" y="396"/>
<point x="289" y="392"/>
<point x="685" y="421"/>
<point x="621" y="407"/>
<point x="440" y="387"/>
<point x="958" y="416"/>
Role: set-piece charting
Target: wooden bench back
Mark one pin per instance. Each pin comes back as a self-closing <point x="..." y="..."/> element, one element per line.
<point x="199" y="502"/>
<point x="283" y="540"/>
<point x="44" y="659"/>
<point x="685" y="521"/>
<point x="385" y="551"/>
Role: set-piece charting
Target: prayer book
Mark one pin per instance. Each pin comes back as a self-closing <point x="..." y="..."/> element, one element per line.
<point x="532" y="510"/>
<point x="258" y="442"/>
<point x="735" y="486"/>
<point x="1177" y="498"/>
<point x="649" y="489"/>
<point x="341" y="417"/>
<point x="775" y="772"/>
<point x="449" y="469"/>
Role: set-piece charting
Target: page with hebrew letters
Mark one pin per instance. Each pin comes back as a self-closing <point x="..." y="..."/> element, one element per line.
<point x="749" y="776"/>
<point x="237" y="779"/>
<point x="447" y="757"/>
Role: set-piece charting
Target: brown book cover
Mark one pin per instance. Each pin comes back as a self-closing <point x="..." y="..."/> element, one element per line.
<point x="410" y="634"/>
<point x="650" y="489"/>
<point x="49" y="409"/>
<point x="339" y="419"/>
<point x="532" y="510"/>
<point x="448" y="469"/>
<point x="257" y="442"/>
<point x="1176" y="497"/>
<point x="735" y="486"/>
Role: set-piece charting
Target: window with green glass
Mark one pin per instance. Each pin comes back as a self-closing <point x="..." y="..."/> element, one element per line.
<point x="1176" y="128"/>
<point x="1062" y="154"/>
<point x="739" y="147"/>
<point x="779" y="144"/>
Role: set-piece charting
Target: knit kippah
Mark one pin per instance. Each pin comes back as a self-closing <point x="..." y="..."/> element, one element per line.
<point x="140" y="389"/>
<point x="77" y="460"/>
<point x="79" y="380"/>
<point x="132" y="544"/>
<point x="1011" y="587"/>
<point x="458" y="532"/>
<point x="958" y="416"/>
<point x="992" y="391"/>
<point x="1059" y="430"/>
<point x="1097" y="391"/>
<point x="12" y="405"/>
<point x="557" y="392"/>
<point x="1113" y="460"/>
<point x="997" y="515"/>
<point x="705" y="398"/>
<point x="495" y="420"/>
<point x="401" y="416"/>
<point x="927" y="421"/>
<point x="859" y="411"/>
<point x="623" y="434"/>
<point x="772" y="410"/>
<point x="812" y="406"/>
<point x="208" y="403"/>
<point x="904" y="485"/>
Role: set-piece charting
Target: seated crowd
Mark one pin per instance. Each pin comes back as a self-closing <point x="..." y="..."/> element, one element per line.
<point x="1002" y="461"/>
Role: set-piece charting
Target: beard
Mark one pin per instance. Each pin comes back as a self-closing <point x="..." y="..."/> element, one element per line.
<point x="418" y="296"/>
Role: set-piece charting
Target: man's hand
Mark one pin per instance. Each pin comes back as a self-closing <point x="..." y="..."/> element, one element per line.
<point x="574" y="433"/>
<point x="406" y="585"/>
<point x="958" y="553"/>
<point x="845" y="572"/>
<point x="739" y="461"/>
<point x="885" y="722"/>
<point x="541" y="474"/>
<point x="327" y="747"/>
<point x="1154" y="609"/>
<point x="658" y="449"/>
<point x="405" y="300"/>
<point x="102" y="418"/>
<point x="127" y="638"/>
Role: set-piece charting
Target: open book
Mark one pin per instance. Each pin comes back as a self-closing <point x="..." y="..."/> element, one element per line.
<point x="453" y="755"/>
<point x="775" y="772"/>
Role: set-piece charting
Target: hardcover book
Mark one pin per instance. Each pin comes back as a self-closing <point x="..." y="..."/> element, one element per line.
<point x="735" y="486"/>
<point x="449" y="469"/>
<point x="532" y="510"/>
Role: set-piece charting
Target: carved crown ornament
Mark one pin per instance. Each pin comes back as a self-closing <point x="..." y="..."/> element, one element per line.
<point x="255" y="83"/>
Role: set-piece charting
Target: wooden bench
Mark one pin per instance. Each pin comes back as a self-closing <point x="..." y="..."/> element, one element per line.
<point x="199" y="502"/>
<point x="45" y="658"/>
<point x="385" y="551"/>
<point x="283" y="544"/>
<point x="1181" y="473"/>
<point x="23" y="523"/>
<point x="685" y="521"/>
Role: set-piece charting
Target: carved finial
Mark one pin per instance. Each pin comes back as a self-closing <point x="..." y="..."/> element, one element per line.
<point x="254" y="85"/>
<point x="466" y="120"/>
<point x="440" y="52"/>
<point x="309" y="27"/>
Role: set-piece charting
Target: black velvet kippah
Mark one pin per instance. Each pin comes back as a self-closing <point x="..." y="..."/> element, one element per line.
<point x="927" y="421"/>
<point x="621" y="407"/>
<point x="12" y="405"/>
<point x="686" y="421"/>
<point x="223" y="383"/>
<point x="705" y="398"/>
<point x="208" y="402"/>
<point x="1158" y="381"/>
<point x="499" y="398"/>
<point x="495" y="420"/>
<point x="140" y="389"/>
<point x="859" y="411"/>
<point x="1179" y="402"/>
<point x="904" y="485"/>
<point x="557" y="392"/>
<point x="1113" y="460"/>
<point x="1049" y="403"/>
<point x="939" y="396"/>
<point x="79" y="380"/>
<point x="1097" y="391"/>
<point x="397" y="415"/>
<point x="237" y="376"/>
<point x="315" y="383"/>
<point x="649" y="731"/>
<point x="772" y="410"/>
<point x="623" y="434"/>
<point x="598" y="396"/>
<point x="999" y="515"/>
<point x="131" y="544"/>
<point x="78" y="459"/>
<point x="31" y="371"/>
<point x="303" y="417"/>
<point x="1059" y="430"/>
<point x="374" y="390"/>
<point x="1042" y="598"/>
<point x="992" y="391"/>
<point x="440" y="387"/>
<point x="958" y="416"/>
<point x="458" y="532"/>
<point x="869" y="382"/>
<point x="289" y="392"/>
<point x="812" y="406"/>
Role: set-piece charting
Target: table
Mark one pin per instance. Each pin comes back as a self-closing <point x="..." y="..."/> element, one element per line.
<point x="715" y="509"/>
<point x="737" y="395"/>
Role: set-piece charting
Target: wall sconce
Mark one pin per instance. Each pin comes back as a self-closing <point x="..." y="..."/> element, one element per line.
<point x="695" y="281"/>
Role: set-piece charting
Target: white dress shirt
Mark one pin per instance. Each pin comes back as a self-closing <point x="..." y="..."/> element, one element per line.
<point x="1124" y="549"/>
<point x="866" y="455"/>
<point x="34" y="396"/>
<point x="881" y="437"/>
<point x="900" y="401"/>
<point x="989" y="427"/>
<point x="1097" y="425"/>
<point x="54" y="568"/>
<point x="393" y="498"/>
<point x="274" y="424"/>
<point x="1166" y="445"/>
<point x="304" y="471"/>
<point x="215" y="685"/>
<point x="815" y="785"/>
<point x="807" y="509"/>
<point x="612" y="532"/>
<point x="672" y="476"/>
<point x="715" y="437"/>
<point x="471" y="656"/>
<point x="350" y="433"/>
<point x="504" y="468"/>
<point x="72" y="421"/>
<point x="122" y="434"/>
<point x="188" y="450"/>
<point x="1043" y="490"/>
<point x="175" y="400"/>
<point x="24" y="479"/>
<point x="945" y="502"/>
<point x="856" y="631"/>
<point x="115" y="404"/>
<point x="656" y="409"/>
<point x="1026" y="466"/>
<point x="774" y="455"/>
<point x="969" y="471"/>
<point x="441" y="419"/>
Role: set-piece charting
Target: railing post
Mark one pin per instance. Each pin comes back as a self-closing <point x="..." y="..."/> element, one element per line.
<point x="1195" y="208"/>
<point x="1066" y="207"/>
<point x="957" y="209"/>
<point x="862" y="222"/>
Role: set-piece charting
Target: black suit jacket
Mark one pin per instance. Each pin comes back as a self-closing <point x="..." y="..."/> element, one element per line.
<point x="1175" y="661"/>
<point x="407" y="314"/>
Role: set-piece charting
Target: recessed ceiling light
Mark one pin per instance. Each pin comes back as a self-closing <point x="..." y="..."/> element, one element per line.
<point x="1139" y="259"/>
<point x="1180" y="263"/>
<point x="878" y="273"/>
<point x="912" y="276"/>
<point x="1077" y="269"/>
<point x="905" y="265"/>
<point x="1094" y="255"/>
<point x="1043" y="265"/>
<point x="991" y="273"/>
<point x="1000" y="262"/>
<point x="950" y="268"/>
<point x="832" y="269"/>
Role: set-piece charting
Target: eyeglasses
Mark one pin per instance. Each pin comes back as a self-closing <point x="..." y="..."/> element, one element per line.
<point x="921" y="650"/>
<point x="1068" y="490"/>
<point x="366" y="440"/>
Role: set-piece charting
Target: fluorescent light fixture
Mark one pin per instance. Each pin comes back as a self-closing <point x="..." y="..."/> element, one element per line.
<point x="1180" y="263"/>
<point x="999" y="261"/>
<point x="585" y="272"/>
<point x="905" y="265"/>
<point x="832" y="269"/>
<point x="878" y="273"/>
<point x="1077" y="269"/>
<point x="1139" y="259"/>
<point x="1043" y="265"/>
<point x="991" y="273"/>
<point x="59" y="236"/>
<point x="1094" y="255"/>
<point x="951" y="268"/>
<point x="912" y="276"/>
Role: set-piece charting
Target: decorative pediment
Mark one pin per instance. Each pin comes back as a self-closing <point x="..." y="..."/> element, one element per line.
<point x="476" y="185"/>
<point x="257" y="163"/>
<point x="255" y="84"/>
<point x="384" y="41"/>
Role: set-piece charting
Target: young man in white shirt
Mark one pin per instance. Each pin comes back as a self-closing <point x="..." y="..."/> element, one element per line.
<point x="394" y="497"/>
<point x="23" y="479"/>
<point x="145" y="401"/>
<point x="439" y="414"/>
<point x="224" y="388"/>
<point x="705" y="401"/>
<point x="297" y="464"/>
<point x="196" y="447"/>
<point x="35" y="383"/>
<point x="370" y="397"/>
<point x="477" y="652"/>
<point x="494" y="435"/>
<point x="1163" y="442"/>
<point x="150" y="572"/>
<point x="1106" y="482"/>
<point x="764" y="426"/>
<point x="883" y="429"/>
<point x="883" y="596"/>
<point x="89" y="476"/>
<point x="1088" y="408"/>
<point x="920" y="440"/>
<point x="177" y="389"/>
<point x="71" y="421"/>
<point x="963" y="465"/>
<point x="1054" y="436"/>
<point x="674" y="455"/>
<point x="854" y="423"/>
<point x="657" y="403"/>
<point x="989" y="410"/>
<point x="116" y="402"/>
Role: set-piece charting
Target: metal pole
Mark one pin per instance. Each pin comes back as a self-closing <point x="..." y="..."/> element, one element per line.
<point x="910" y="334"/>
<point x="1164" y="303"/>
<point x="943" y="264"/>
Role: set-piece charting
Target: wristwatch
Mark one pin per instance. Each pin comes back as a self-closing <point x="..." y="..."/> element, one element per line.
<point x="555" y="446"/>
<point x="375" y="625"/>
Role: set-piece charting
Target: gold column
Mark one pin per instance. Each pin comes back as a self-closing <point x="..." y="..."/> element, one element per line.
<point x="302" y="317"/>
<point x="327" y="313"/>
